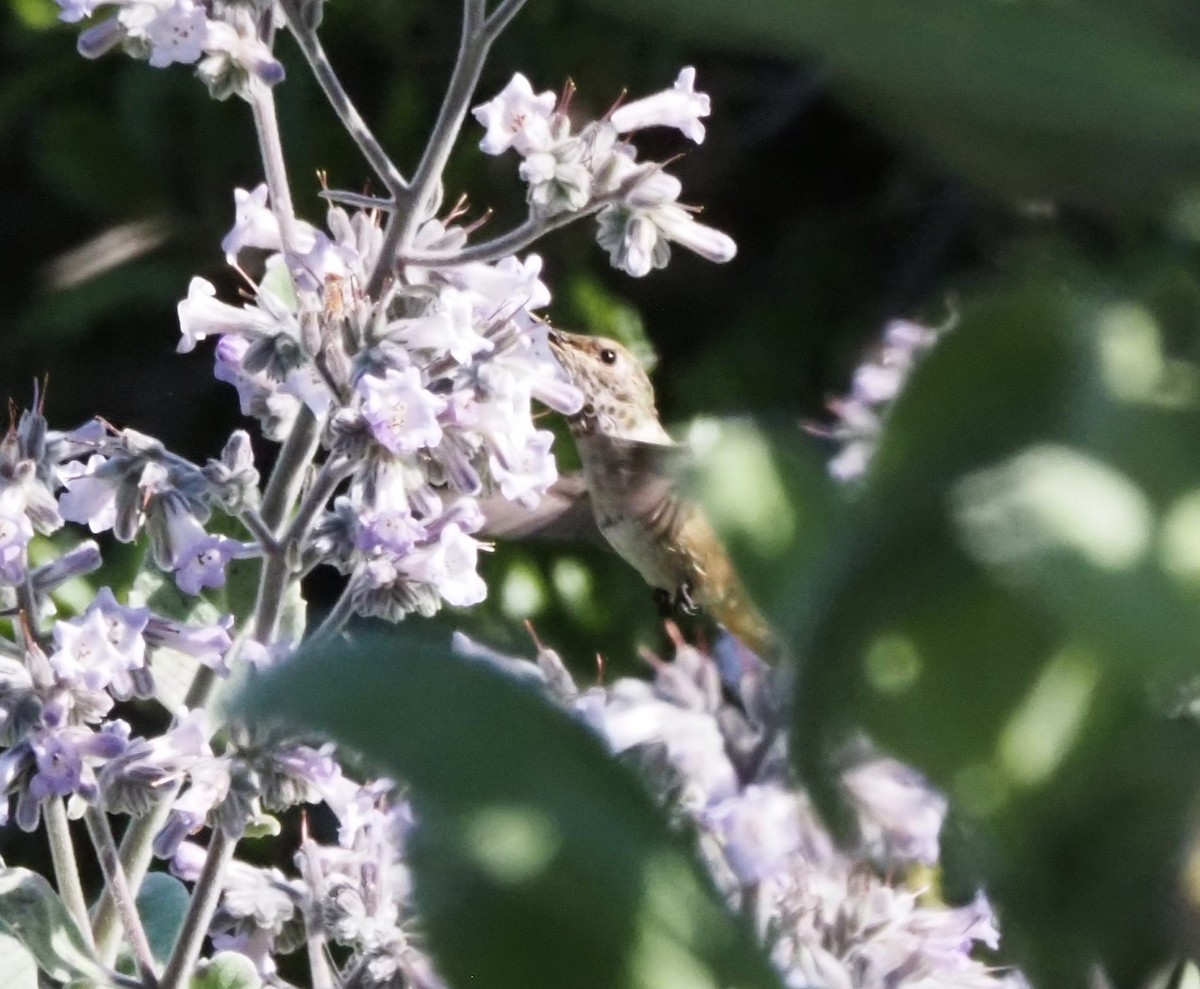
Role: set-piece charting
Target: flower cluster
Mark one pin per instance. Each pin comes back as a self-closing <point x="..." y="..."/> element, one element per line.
<point x="425" y="395"/>
<point x="58" y="687"/>
<point x="700" y="734"/>
<point x="828" y="917"/>
<point x="874" y="386"/>
<point x="221" y="37"/>
<point x="593" y="169"/>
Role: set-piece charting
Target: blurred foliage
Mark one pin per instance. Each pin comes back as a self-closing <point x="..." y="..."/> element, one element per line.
<point x="538" y="859"/>
<point x="1009" y="601"/>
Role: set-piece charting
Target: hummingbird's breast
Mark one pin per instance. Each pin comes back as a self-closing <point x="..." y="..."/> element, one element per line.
<point x="635" y="506"/>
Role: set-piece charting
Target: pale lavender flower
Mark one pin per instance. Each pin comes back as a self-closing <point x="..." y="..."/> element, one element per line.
<point x="449" y="566"/>
<point x="449" y="328"/>
<point x="527" y="475"/>
<point x="177" y="30"/>
<point x="875" y="384"/>
<point x="759" y="830"/>
<point x="208" y="644"/>
<point x="202" y="315"/>
<point x="401" y="412"/>
<point x="135" y="780"/>
<point x="202" y="563"/>
<point x="900" y="814"/>
<point x="256" y="226"/>
<point x="102" y="649"/>
<point x="16" y="531"/>
<point x="258" y="395"/>
<point x="638" y="239"/>
<point x="56" y="762"/>
<point x="630" y="714"/>
<point x="208" y="785"/>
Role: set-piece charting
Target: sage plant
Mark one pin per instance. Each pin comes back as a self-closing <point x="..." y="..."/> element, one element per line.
<point x="395" y="356"/>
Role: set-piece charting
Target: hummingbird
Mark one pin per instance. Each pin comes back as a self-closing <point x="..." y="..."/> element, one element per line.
<point x="629" y="473"/>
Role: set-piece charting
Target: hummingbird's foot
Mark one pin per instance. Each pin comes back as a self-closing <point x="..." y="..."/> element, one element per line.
<point x="683" y="598"/>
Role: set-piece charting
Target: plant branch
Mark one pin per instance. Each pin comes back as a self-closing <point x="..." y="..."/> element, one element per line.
<point x="114" y="878"/>
<point x="205" y="896"/>
<point x="262" y="104"/>
<point x="287" y="475"/>
<point x="472" y="51"/>
<point x="498" y="19"/>
<point x="66" y="867"/>
<point x="338" y="615"/>
<point x="259" y="529"/>
<point x="277" y="569"/>
<point x="137" y="844"/>
<point x="507" y="243"/>
<point x="351" y="119"/>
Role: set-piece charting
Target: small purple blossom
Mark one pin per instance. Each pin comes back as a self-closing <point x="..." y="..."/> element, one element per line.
<point x="202" y="563"/>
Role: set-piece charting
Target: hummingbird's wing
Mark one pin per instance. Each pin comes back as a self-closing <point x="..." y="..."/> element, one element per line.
<point x="564" y="514"/>
<point x="642" y="478"/>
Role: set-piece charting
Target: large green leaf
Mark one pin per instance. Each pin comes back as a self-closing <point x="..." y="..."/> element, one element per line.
<point x="1012" y="603"/>
<point x="1093" y="101"/>
<point x="32" y="913"/>
<point x="539" y="861"/>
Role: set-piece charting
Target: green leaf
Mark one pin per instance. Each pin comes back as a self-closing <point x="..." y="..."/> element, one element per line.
<point x="17" y="964"/>
<point x="227" y="970"/>
<point x="1009" y="596"/>
<point x="32" y="913"/>
<point x="776" y="534"/>
<point x="1093" y="102"/>
<point x="538" y="859"/>
<point x="162" y="902"/>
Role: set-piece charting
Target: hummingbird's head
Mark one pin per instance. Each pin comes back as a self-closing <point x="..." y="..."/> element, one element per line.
<point x="618" y="399"/>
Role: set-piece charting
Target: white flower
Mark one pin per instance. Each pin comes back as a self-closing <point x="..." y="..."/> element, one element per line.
<point x="679" y="107"/>
<point x="254" y="224"/>
<point x="201" y="314"/>
<point x="177" y="32"/>
<point x="516" y="118"/>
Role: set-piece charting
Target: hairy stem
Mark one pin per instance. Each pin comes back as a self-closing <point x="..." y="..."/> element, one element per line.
<point x="338" y="615"/>
<point x="351" y="119"/>
<point x="507" y="243"/>
<point x="114" y="878"/>
<point x="472" y="51"/>
<point x="262" y="104"/>
<point x="66" y="868"/>
<point x="137" y="844"/>
<point x="203" y="904"/>
<point x="287" y="476"/>
<point x="277" y="569"/>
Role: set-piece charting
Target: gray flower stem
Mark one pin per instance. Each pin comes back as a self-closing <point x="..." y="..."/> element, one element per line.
<point x="66" y="868"/>
<point x="137" y="844"/>
<point x="338" y="615"/>
<point x="287" y="476"/>
<point x="351" y="119"/>
<point x="115" y="880"/>
<point x="508" y="243"/>
<point x="478" y="33"/>
<point x="277" y="570"/>
<point x="266" y="124"/>
<point x="203" y="905"/>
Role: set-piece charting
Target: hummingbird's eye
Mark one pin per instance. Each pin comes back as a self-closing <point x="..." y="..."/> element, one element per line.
<point x="608" y="356"/>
